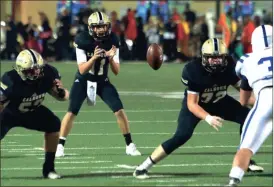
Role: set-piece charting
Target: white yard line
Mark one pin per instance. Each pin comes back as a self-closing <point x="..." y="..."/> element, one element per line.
<point x="136" y="133"/>
<point x="83" y="162"/>
<point x="70" y="158"/>
<point x="116" y="167"/>
<point x="141" y="147"/>
<point x="128" y="111"/>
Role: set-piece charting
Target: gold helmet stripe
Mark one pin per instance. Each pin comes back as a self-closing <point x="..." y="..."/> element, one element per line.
<point x="216" y="49"/>
<point x="33" y="56"/>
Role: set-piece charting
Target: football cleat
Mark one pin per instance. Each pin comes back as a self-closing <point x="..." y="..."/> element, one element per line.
<point x="233" y="182"/>
<point x="140" y="174"/>
<point x="60" y="151"/>
<point x="132" y="150"/>
<point x="253" y="167"/>
<point x="52" y="175"/>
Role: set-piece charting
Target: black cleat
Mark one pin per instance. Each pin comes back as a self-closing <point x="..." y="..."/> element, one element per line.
<point x="253" y="167"/>
<point x="140" y="174"/>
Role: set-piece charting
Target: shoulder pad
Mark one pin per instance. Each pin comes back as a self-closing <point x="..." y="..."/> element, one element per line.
<point x="51" y="71"/>
<point x="114" y="40"/>
<point x="82" y="40"/>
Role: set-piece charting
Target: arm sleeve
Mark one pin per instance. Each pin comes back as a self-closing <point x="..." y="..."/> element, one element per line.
<point x="81" y="56"/>
<point x="187" y="81"/>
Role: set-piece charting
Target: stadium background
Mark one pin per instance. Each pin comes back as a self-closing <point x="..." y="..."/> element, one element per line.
<point x="152" y="99"/>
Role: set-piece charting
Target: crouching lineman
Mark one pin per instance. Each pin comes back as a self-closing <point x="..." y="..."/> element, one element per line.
<point x="256" y="69"/>
<point x="22" y="92"/>
<point x="207" y="80"/>
<point x="95" y="51"/>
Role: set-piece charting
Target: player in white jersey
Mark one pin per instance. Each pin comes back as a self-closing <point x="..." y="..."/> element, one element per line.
<point x="255" y="69"/>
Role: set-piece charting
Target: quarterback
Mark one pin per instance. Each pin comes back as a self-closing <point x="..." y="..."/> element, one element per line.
<point x="95" y="51"/>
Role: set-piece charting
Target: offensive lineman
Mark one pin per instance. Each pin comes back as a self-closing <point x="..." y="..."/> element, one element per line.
<point x="22" y="92"/>
<point x="95" y="51"/>
<point x="256" y="69"/>
<point x="207" y="80"/>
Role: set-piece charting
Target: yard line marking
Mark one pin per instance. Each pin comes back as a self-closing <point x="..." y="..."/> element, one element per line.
<point x="207" y="184"/>
<point x="116" y="167"/>
<point x="182" y="165"/>
<point x="136" y="133"/>
<point x="8" y="145"/>
<point x="131" y="111"/>
<point x="41" y="154"/>
<point x="168" y="180"/>
<point x="5" y="142"/>
<point x="142" y="147"/>
<point x="112" y="122"/>
<point x="70" y="158"/>
<point x="83" y="162"/>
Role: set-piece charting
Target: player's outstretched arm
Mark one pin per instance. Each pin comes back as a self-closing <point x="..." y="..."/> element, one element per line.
<point x="58" y="91"/>
<point x="197" y="110"/>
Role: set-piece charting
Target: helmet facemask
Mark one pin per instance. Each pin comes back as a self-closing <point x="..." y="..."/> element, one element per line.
<point x="214" y="63"/>
<point x="100" y="31"/>
<point x="30" y="74"/>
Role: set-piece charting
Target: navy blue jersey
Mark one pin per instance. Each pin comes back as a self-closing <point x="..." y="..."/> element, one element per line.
<point x="211" y="87"/>
<point x="87" y="43"/>
<point x="22" y="96"/>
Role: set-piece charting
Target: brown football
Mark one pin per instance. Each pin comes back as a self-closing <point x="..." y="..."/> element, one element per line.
<point x="155" y="56"/>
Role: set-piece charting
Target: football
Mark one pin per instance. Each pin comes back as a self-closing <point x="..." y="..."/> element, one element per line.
<point x="155" y="56"/>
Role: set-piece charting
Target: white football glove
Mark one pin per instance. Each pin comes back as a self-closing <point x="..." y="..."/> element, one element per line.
<point x="214" y="121"/>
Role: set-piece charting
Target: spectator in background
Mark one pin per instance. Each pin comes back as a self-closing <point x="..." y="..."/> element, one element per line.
<point x="257" y="21"/>
<point x="228" y="26"/>
<point x="190" y="16"/>
<point x="22" y="36"/>
<point x="175" y="15"/>
<point x="140" y="44"/>
<point x="131" y="29"/>
<point x="11" y="38"/>
<point x="170" y="41"/>
<point x="116" y="26"/>
<point x="152" y="31"/>
<point x="32" y="42"/>
<point x="45" y="34"/>
<point x="64" y="37"/>
<point x="29" y="27"/>
<point x="267" y="17"/>
<point x="249" y="27"/>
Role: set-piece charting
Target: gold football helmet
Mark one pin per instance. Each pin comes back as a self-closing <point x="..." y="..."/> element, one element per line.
<point x="214" y="55"/>
<point x="29" y="65"/>
<point x="99" y="25"/>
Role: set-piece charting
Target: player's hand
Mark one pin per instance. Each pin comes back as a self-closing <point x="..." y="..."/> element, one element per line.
<point x="98" y="52"/>
<point x="58" y="84"/>
<point x="111" y="53"/>
<point x="214" y="121"/>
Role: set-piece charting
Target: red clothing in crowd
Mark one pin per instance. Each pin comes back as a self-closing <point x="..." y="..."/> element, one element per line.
<point x="246" y="37"/>
<point x="131" y="30"/>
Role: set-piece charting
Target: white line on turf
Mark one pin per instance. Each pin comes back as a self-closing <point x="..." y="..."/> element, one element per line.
<point x="41" y="154"/>
<point x="142" y="147"/>
<point x="83" y="162"/>
<point x="136" y="133"/>
<point x="167" y="181"/>
<point x="116" y="167"/>
<point x="8" y="145"/>
<point x="128" y="111"/>
<point x="70" y="158"/>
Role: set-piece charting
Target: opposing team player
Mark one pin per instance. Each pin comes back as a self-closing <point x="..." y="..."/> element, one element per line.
<point x="256" y="69"/>
<point x="95" y="51"/>
<point x="207" y="80"/>
<point x="22" y="92"/>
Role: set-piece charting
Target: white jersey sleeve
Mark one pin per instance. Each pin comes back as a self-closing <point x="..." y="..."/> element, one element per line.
<point x="116" y="57"/>
<point x="81" y="56"/>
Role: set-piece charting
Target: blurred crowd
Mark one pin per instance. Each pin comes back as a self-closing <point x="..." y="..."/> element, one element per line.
<point x="180" y="35"/>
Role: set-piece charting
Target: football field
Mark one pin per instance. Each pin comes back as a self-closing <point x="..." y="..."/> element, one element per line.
<point x="95" y="149"/>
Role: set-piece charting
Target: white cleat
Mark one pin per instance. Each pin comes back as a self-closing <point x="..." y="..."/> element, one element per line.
<point x="60" y="151"/>
<point x="53" y="175"/>
<point x="132" y="150"/>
